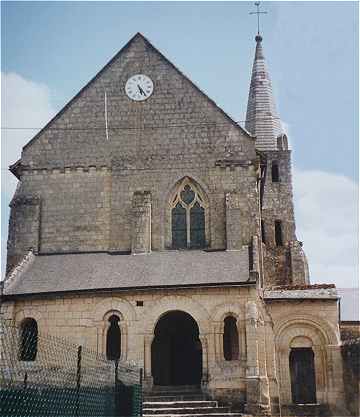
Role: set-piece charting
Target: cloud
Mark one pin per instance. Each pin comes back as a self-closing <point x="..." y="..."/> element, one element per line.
<point x="327" y="222"/>
<point x="24" y="104"/>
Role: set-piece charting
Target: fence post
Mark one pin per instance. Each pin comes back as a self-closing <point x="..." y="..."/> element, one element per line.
<point x="141" y="391"/>
<point x="78" y="379"/>
<point x="116" y="370"/>
<point x="116" y="399"/>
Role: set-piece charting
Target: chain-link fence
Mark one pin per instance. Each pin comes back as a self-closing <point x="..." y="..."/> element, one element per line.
<point x="43" y="375"/>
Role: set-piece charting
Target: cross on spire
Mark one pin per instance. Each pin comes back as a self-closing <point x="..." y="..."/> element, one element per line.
<point x="257" y="4"/>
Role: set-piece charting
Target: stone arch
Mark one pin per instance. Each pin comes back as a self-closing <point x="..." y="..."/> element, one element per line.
<point x="165" y="305"/>
<point x="120" y="305"/>
<point x="201" y="190"/>
<point x="27" y="313"/>
<point x="102" y="311"/>
<point x="318" y="334"/>
<point x="19" y="318"/>
<point x="324" y="328"/>
<point x="218" y="315"/>
<point x="203" y="187"/>
<point x="182" y="303"/>
<point x="220" y="311"/>
<point x="301" y="341"/>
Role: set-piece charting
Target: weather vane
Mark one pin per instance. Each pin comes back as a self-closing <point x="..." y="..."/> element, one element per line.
<point x="257" y="4"/>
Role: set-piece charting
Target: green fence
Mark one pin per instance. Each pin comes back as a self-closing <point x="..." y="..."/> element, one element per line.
<point x="42" y="375"/>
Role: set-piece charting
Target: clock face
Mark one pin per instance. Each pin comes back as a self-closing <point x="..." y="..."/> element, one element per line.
<point x="139" y="87"/>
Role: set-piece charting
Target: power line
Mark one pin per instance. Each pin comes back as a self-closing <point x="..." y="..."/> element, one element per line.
<point x="204" y="124"/>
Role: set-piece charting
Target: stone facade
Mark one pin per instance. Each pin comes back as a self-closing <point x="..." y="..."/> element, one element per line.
<point x="350" y="351"/>
<point x="80" y="192"/>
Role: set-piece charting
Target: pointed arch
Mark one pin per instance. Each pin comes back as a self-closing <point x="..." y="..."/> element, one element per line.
<point x="187" y="216"/>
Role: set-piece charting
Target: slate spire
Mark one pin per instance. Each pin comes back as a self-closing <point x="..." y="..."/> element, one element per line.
<point x="262" y="119"/>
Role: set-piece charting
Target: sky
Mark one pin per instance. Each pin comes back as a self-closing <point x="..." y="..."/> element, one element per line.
<point x="50" y="50"/>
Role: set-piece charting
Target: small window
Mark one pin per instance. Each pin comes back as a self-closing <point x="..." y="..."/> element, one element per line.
<point x="275" y="175"/>
<point x="113" y="339"/>
<point x="230" y="339"/>
<point x="28" y="340"/>
<point x="278" y="233"/>
<point x="263" y="235"/>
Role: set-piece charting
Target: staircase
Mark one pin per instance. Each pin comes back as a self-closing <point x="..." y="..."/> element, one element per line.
<point x="182" y="401"/>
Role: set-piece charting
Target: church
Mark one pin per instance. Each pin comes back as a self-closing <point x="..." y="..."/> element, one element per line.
<point x="151" y="227"/>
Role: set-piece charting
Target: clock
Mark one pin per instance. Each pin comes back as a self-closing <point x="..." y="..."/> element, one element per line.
<point x="139" y="87"/>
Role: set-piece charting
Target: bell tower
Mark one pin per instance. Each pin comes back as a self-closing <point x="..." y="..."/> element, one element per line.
<point x="284" y="260"/>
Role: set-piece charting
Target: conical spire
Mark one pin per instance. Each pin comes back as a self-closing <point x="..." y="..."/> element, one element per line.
<point x="262" y="119"/>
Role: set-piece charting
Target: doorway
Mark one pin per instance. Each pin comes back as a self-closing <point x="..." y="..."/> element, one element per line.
<point x="302" y="372"/>
<point x="176" y="352"/>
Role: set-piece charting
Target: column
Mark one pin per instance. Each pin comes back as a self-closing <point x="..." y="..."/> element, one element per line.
<point x="148" y="379"/>
<point x="141" y="222"/>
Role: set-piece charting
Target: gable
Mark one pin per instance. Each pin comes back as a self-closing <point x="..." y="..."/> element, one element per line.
<point x="178" y="121"/>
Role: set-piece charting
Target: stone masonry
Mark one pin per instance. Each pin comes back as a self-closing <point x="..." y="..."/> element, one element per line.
<point x="91" y="235"/>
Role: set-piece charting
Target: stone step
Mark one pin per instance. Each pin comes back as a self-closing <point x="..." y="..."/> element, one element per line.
<point x="175" y="388"/>
<point x="148" y="397"/>
<point x="199" y="415"/>
<point x="179" y="404"/>
<point x="185" y="411"/>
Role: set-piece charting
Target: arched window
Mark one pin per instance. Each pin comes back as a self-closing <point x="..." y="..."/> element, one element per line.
<point x="188" y="217"/>
<point x="28" y="340"/>
<point x="282" y="142"/>
<point x="230" y="339"/>
<point x="113" y="339"/>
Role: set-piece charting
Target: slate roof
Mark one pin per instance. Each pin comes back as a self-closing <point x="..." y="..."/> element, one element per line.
<point x="91" y="271"/>
<point x="262" y="119"/>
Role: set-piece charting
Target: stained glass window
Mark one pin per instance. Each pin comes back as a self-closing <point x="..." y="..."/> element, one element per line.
<point x="197" y="226"/>
<point x="188" y="218"/>
<point x="187" y="195"/>
<point x="179" y="227"/>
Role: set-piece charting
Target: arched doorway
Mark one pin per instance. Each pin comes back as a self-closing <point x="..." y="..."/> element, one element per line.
<point x="176" y="352"/>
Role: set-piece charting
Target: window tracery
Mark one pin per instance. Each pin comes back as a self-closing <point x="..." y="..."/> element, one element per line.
<point x="188" y="212"/>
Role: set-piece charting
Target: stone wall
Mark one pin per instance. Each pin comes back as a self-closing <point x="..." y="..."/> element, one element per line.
<point x="24" y="227"/>
<point x="309" y="322"/>
<point x="260" y="375"/>
<point x="350" y="350"/>
<point x="82" y="319"/>
<point x="86" y="184"/>
<point x="284" y="264"/>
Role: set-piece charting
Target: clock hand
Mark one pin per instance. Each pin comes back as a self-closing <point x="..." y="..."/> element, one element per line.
<point x="142" y="92"/>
